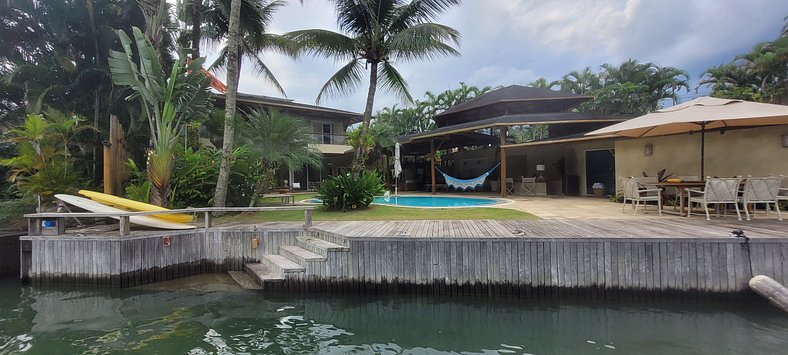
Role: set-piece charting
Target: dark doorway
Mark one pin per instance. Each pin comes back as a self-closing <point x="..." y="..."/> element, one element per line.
<point x="601" y="167"/>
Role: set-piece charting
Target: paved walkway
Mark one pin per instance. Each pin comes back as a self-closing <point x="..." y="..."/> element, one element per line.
<point x="568" y="207"/>
<point x="590" y="208"/>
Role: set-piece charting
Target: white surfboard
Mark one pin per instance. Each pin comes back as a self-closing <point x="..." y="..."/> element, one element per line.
<point x="94" y="206"/>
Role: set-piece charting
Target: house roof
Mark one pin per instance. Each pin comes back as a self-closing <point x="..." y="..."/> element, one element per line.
<point x="513" y="120"/>
<point x="291" y="106"/>
<point x="513" y="99"/>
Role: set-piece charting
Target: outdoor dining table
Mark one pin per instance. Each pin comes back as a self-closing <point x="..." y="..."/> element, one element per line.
<point x="681" y="186"/>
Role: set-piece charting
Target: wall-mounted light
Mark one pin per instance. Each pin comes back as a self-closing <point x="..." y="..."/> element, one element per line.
<point x="648" y="150"/>
<point x="540" y="167"/>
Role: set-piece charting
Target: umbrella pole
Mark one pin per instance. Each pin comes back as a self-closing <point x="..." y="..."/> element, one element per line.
<point x="702" y="151"/>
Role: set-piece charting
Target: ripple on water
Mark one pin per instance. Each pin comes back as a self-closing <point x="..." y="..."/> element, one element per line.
<point x="55" y="320"/>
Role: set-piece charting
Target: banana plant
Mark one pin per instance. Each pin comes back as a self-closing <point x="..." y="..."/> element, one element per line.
<point x="165" y="102"/>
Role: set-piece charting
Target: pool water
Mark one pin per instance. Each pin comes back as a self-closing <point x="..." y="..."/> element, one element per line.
<point x="209" y="314"/>
<point x="435" y="201"/>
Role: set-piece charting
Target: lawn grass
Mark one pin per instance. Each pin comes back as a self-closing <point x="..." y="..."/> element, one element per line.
<point x="379" y="213"/>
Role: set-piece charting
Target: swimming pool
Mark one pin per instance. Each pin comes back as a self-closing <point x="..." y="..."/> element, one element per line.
<point x="435" y="201"/>
<point x="428" y="201"/>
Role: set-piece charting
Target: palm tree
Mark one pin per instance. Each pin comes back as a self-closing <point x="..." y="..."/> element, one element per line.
<point x="542" y="83"/>
<point x="255" y="18"/>
<point x="233" y="72"/>
<point x="580" y="83"/>
<point x="278" y="140"/>
<point x="377" y="33"/>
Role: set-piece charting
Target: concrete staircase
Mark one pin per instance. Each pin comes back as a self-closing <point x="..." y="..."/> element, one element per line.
<point x="308" y="256"/>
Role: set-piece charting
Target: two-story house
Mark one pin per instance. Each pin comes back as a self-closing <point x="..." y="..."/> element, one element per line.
<point x="328" y="129"/>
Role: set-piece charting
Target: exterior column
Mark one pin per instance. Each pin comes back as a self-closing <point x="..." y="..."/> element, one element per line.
<point x="502" y="137"/>
<point x="108" y="173"/>
<point x="432" y="164"/>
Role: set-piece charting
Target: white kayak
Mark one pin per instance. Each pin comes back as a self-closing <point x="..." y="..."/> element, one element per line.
<point x="94" y="206"/>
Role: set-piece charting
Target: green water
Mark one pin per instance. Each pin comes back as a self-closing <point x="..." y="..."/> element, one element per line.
<point x="210" y="315"/>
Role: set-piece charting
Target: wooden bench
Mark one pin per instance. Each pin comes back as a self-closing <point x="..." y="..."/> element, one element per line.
<point x="283" y="198"/>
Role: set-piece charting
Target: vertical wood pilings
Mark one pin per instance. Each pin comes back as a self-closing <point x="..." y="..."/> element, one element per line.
<point x="473" y="266"/>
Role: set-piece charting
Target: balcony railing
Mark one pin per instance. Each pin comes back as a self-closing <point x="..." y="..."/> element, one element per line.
<point x="329" y="138"/>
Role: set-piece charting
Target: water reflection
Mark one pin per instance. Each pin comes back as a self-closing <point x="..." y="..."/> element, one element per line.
<point x="209" y="315"/>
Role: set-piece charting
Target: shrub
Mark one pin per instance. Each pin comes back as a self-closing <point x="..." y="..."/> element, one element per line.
<point x="194" y="177"/>
<point x="343" y="192"/>
<point x="45" y="148"/>
<point x="11" y="211"/>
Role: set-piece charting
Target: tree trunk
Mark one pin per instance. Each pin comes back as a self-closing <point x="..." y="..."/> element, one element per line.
<point x="359" y="160"/>
<point x="196" y="27"/>
<point x="233" y="70"/>
<point x="152" y="12"/>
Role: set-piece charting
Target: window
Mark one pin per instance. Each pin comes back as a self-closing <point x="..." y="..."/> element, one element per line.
<point x="328" y="130"/>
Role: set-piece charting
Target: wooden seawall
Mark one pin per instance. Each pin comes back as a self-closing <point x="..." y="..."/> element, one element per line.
<point x="527" y="258"/>
<point x="153" y="257"/>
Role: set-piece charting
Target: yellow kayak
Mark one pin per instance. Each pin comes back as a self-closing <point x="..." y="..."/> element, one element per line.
<point x="132" y="205"/>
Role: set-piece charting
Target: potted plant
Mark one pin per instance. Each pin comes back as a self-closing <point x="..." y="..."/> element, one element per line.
<point x="599" y="189"/>
<point x="283" y="189"/>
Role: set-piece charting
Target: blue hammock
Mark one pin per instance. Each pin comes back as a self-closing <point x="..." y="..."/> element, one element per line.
<point x="466" y="184"/>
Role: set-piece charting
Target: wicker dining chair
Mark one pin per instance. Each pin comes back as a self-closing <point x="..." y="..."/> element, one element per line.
<point x="718" y="191"/>
<point x="638" y="193"/>
<point x="761" y="190"/>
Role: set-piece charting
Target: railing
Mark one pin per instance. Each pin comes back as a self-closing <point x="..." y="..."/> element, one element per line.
<point x="34" y="220"/>
<point x="329" y="138"/>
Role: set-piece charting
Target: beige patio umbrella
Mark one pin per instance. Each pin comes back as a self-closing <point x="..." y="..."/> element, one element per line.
<point x="699" y="115"/>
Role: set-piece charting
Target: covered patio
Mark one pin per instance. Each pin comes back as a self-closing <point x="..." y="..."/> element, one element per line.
<point x="530" y="132"/>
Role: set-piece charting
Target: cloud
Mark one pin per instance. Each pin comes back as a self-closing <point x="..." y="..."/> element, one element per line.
<point x="516" y="41"/>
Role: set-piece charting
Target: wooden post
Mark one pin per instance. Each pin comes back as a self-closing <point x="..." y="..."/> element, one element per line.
<point x="502" y="137"/>
<point x="307" y="219"/>
<point x="108" y="168"/>
<point x="125" y="228"/>
<point x="208" y="220"/>
<point x="432" y="164"/>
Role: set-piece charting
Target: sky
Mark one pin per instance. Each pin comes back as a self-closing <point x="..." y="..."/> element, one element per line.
<point x="506" y="42"/>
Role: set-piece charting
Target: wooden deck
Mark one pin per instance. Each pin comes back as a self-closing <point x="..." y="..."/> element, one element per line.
<point x="559" y="228"/>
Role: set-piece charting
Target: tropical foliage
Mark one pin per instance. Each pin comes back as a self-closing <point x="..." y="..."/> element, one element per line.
<point x="54" y="53"/>
<point x="391" y="122"/>
<point x="760" y="75"/>
<point x="375" y="34"/>
<point x="164" y="102"/>
<point x="631" y="88"/>
<point x="344" y="192"/>
<point x="194" y="177"/>
<point x="45" y="146"/>
<point x="277" y="140"/>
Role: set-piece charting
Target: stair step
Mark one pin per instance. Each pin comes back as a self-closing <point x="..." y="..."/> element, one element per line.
<point x="281" y="264"/>
<point x="299" y="255"/>
<point x="319" y="246"/>
<point x="246" y="281"/>
<point x="329" y="236"/>
<point x="262" y="273"/>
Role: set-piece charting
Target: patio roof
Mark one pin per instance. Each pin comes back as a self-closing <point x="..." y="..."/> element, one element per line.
<point x="513" y="99"/>
<point x="580" y="137"/>
<point x="451" y="141"/>
<point x="512" y="120"/>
